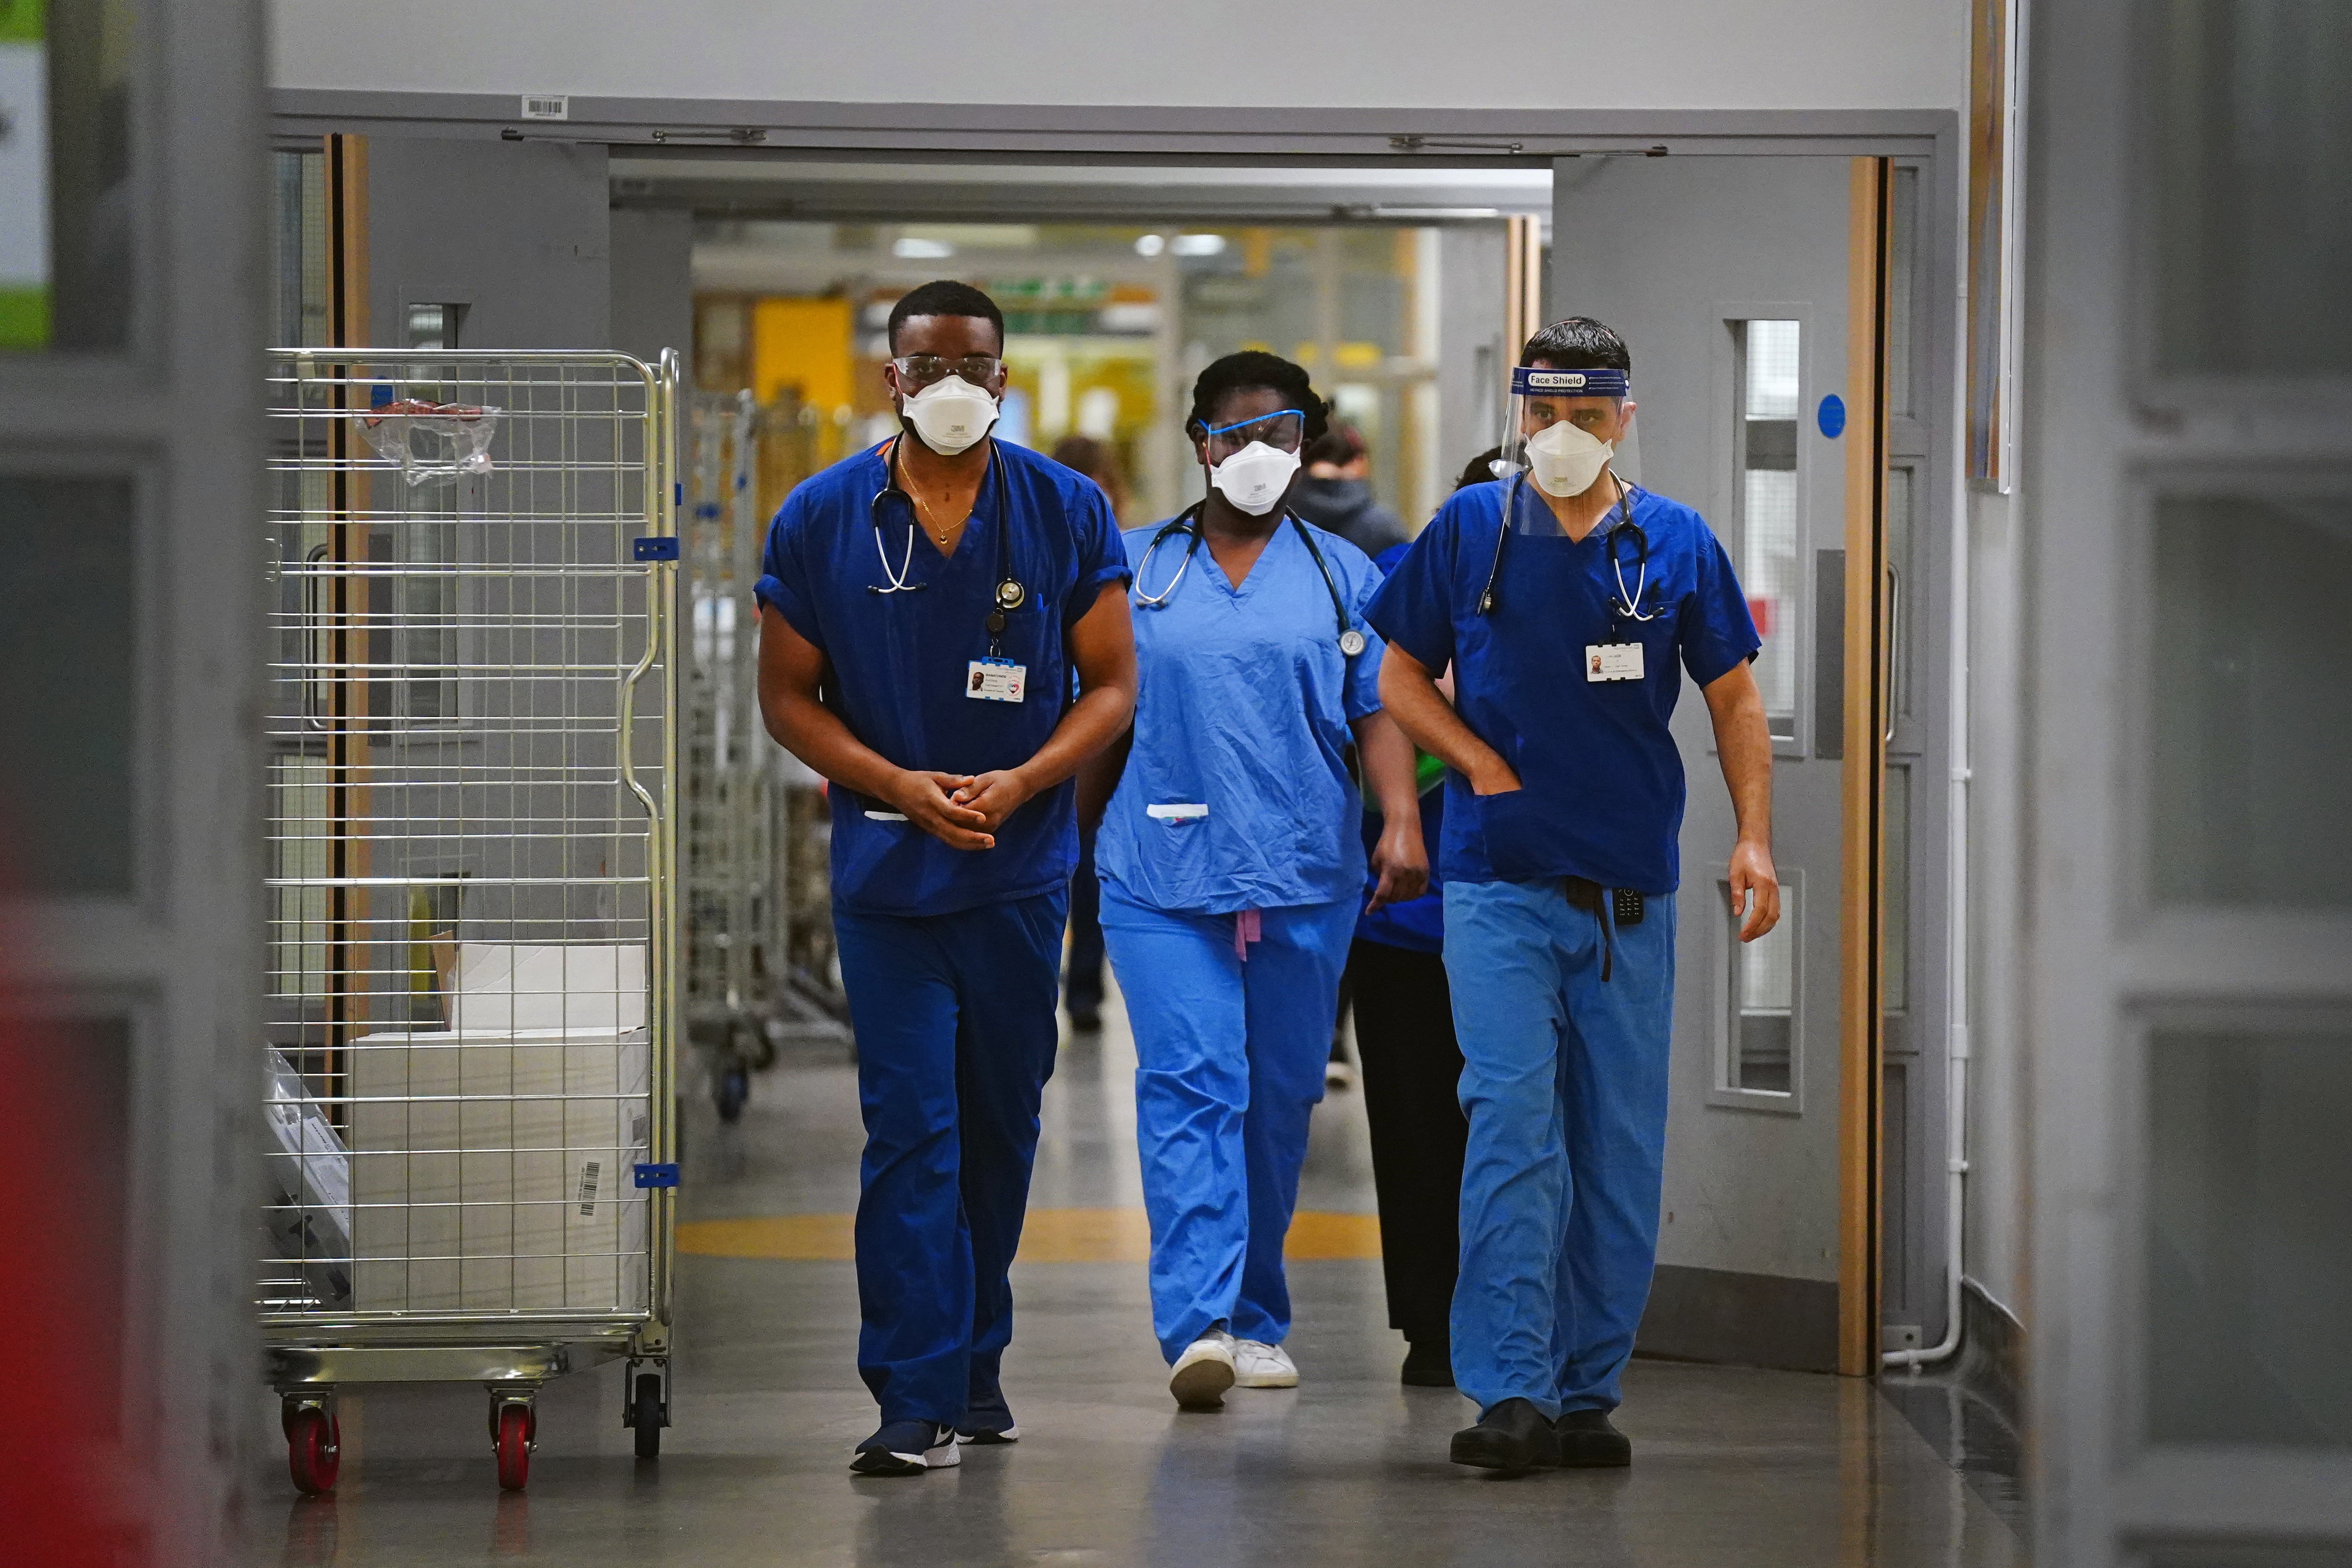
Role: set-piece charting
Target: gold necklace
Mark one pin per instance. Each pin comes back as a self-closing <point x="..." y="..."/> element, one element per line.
<point x="925" y="507"/>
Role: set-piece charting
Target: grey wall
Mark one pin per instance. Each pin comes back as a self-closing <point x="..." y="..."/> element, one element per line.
<point x="1994" y="1249"/>
<point x="519" y="233"/>
<point x="1470" y="345"/>
<point x="653" y="285"/>
<point x="1565" y="54"/>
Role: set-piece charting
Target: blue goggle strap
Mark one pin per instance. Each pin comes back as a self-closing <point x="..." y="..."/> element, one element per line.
<point x="1246" y="423"/>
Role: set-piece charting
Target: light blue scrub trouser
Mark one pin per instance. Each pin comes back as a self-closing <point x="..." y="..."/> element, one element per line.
<point x="1564" y="1082"/>
<point x="1230" y="1060"/>
<point x="956" y="1032"/>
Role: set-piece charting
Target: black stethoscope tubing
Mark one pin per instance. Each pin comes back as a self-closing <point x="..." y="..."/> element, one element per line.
<point x="1189" y="523"/>
<point x="1009" y="591"/>
<point x="1625" y="524"/>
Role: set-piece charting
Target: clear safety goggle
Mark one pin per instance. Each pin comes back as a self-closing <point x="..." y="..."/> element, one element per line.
<point x="918" y="371"/>
<point x="1539" y="398"/>
<point x="1282" y="430"/>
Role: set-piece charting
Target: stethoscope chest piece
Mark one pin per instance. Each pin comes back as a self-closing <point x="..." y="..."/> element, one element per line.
<point x="1351" y="642"/>
<point x="1009" y="595"/>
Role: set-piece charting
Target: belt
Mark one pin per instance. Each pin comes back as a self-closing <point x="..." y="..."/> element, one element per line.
<point x="1610" y="907"/>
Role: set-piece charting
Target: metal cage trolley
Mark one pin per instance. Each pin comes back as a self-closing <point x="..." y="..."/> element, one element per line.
<point x="729" y="853"/>
<point x="470" y="1063"/>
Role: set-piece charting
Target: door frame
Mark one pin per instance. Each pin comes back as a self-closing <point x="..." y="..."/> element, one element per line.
<point x="735" y="131"/>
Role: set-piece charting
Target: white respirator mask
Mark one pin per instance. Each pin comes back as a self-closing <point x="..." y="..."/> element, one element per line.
<point x="1567" y="458"/>
<point x="1254" y="478"/>
<point x="951" y="415"/>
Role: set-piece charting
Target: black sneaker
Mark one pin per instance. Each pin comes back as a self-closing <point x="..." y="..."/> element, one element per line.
<point x="1588" y="1441"/>
<point x="908" y="1448"/>
<point x="987" y="1419"/>
<point x="1428" y="1364"/>
<point x="1512" y="1437"/>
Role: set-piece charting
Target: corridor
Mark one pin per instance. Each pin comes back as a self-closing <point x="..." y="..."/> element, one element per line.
<point x="1731" y="1466"/>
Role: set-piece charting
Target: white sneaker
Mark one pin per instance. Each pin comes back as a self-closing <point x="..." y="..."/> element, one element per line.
<point x="1257" y="1365"/>
<point x="1203" y="1372"/>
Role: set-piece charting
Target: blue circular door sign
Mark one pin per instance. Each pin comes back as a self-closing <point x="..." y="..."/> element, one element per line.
<point x="1833" y="416"/>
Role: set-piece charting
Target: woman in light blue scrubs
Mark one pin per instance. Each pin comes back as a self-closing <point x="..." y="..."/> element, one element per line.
<point x="1232" y="864"/>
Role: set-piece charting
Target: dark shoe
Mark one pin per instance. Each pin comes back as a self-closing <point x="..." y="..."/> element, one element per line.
<point x="1512" y="1437"/>
<point x="1085" y="1020"/>
<point x="1588" y="1441"/>
<point x="987" y="1419"/>
<point x="1428" y="1364"/>
<point x="908" y="1448"/>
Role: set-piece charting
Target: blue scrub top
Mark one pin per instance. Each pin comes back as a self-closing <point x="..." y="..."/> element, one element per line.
<point x="1418" y="924"/>
<point x="1242" y="703"/>
<point x="898" y="663"/>
<point x="1603" y="783"/>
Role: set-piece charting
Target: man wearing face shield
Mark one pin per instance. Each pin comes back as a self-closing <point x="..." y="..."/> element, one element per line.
<point x="923" y="607"/>
<point x="1568" y="601"/>
<point x="1232" y="863"/>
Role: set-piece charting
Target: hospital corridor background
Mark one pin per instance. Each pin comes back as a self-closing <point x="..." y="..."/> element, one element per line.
<point x="436" y="444"/>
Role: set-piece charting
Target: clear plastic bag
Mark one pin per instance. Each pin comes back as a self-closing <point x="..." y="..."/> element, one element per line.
<point x="432" y="443"/>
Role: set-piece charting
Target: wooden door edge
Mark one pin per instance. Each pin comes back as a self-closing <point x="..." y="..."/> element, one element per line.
<point x="1861" y="778"/>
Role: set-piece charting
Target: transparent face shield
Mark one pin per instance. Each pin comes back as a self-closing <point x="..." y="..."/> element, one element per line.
<point x="1561" y="429"/>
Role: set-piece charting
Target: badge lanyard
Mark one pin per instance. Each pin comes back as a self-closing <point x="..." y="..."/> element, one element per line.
<point x="1351" y="640"/>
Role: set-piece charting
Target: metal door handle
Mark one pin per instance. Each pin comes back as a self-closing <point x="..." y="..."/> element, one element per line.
<point x="1893" y="643"/>
<point x="310" y="632"/>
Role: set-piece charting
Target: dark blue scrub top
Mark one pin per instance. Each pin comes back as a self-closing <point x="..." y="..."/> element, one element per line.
<point x="1417" y="924"/>
<point x="898" y="664"/>
<point x="1603" y="783"/>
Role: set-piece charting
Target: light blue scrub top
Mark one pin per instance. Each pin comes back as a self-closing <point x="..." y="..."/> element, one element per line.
<point x="1243" y="704"/>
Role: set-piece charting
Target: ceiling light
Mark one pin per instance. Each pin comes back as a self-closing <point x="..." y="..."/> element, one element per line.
<point x="911" y="249"/>
<point x="1198" y="243"/>
<point x="1149" y="244"/>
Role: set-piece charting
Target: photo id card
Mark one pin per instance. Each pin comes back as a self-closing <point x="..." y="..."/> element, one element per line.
<point x="996" y="680"/>
<point x="1612" y="661"/>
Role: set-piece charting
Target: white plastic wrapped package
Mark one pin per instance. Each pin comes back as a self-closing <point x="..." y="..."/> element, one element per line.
<point x="309" y="1204"/>
<point x="432" y="443"/>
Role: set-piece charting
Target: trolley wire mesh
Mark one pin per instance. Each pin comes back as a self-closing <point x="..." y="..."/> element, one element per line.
<point x="471" y="745"/>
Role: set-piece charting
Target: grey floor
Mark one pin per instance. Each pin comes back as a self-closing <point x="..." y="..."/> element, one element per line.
<point x="1731" y="1466"/>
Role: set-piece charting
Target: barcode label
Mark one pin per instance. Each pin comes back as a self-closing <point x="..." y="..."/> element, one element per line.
<point x="588" y="1173"/>
<point x="546" y="106"/>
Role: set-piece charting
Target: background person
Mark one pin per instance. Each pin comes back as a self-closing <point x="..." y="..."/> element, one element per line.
<point x="923" y="609"/>
<point x="1336" y="495"/>
<point x="1231" y="866"/>
<point x="1559" y="860"/>
<point x="1082" y="982"/>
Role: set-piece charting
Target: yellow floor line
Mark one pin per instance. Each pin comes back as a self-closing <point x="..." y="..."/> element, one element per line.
<point x="1049" y="1236"/>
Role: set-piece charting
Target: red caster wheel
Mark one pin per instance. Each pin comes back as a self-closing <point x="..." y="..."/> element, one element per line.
<point x="314" y="1449"/>
<point x="514" y="1439"/>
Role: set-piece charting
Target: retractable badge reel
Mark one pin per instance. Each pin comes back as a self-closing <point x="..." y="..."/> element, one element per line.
<point x="997" y="679"/>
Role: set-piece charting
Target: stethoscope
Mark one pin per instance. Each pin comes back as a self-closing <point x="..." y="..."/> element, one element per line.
<point x="1628" y="605"/>
<point x="1010" y="592"/>
<point x="1352" y="641"/>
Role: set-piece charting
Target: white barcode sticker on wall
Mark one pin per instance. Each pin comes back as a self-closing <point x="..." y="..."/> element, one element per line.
<point x="588" y="1175"/>
<point x="546" y="106"/>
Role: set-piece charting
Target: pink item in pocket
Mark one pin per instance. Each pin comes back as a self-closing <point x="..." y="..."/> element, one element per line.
<point x="1246" y="931"/>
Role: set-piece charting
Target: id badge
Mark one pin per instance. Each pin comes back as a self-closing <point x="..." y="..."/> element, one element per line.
<point x="1612" y="661"/>
<point x="996" y="680"/>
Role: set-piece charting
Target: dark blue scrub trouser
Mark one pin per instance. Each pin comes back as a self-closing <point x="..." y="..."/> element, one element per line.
<point x="956" y="1029"/>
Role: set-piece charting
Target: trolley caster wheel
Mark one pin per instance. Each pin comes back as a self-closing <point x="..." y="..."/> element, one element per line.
<point x="734" y="1088"/>
<point x="314" y="1449"/>
<point x="760" y="1050"/>
<point x="514" y="1435"/>
<point x="646" y="1416"/>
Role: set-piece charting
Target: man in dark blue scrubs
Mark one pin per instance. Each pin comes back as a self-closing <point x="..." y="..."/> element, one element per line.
<point x="922" y="608"/>
<point x="1568" y="604"/>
